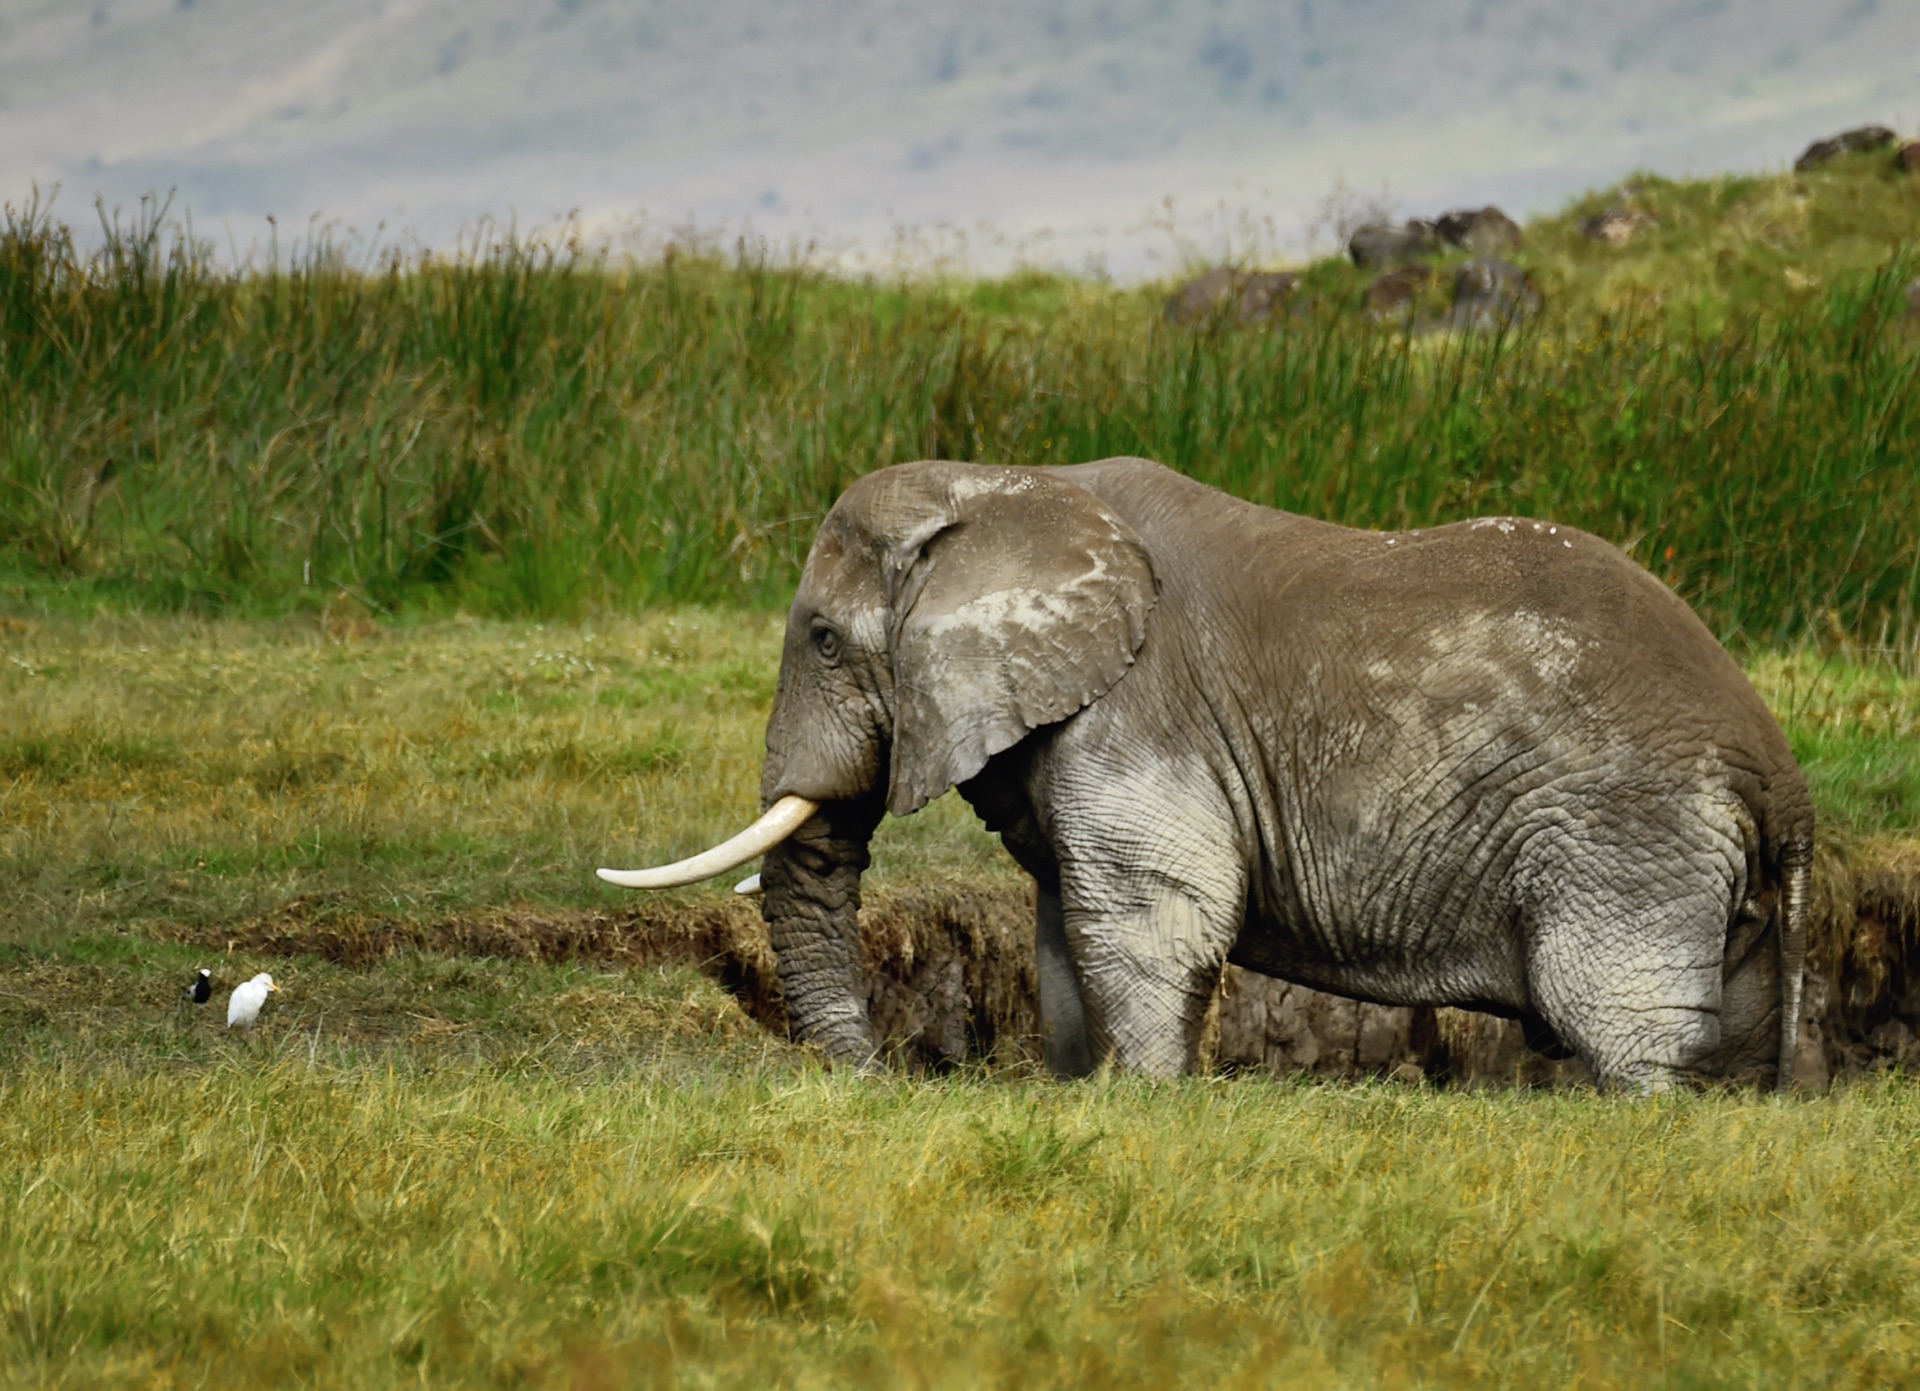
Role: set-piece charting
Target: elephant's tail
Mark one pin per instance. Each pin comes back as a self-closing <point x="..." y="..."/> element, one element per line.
<point x="1793" y="854"/>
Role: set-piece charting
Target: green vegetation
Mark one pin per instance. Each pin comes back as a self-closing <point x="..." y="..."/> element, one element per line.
<point x="273" y="545"/>
<point x="529" y="429"/>
<point x="167" y="771"/>
<point x="1714" y="255"/>
<point x="551" y="1179"/>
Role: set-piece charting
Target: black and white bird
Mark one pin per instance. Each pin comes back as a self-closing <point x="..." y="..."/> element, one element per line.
<point x="243" y="1006"/>
<point x="202" y="988"/>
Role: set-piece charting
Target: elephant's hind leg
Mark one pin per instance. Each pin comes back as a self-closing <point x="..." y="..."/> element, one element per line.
<point x="1634" y="986"/>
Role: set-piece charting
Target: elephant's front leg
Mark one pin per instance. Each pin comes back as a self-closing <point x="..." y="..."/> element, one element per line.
<point x="1151" y="906"/>
<point x="1147" y="977"/>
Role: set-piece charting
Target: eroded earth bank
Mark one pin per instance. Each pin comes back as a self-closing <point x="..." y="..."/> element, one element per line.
<point x="951" y="977"/>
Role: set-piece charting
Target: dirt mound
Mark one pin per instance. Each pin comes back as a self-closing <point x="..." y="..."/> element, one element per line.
<point x="951" y="977"/>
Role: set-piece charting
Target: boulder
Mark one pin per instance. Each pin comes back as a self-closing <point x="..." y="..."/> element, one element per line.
<point x="1265" y="294"/>
<point x="1393" y="295"/>
<point x="1483" y="231"/>
<point x="1617" y="226"/>
<point x="1380" y="244"/>
<point x="1256" y="297"/>
<point x="1491" y="293"/>
<point x="1200" y="298"/>
<point x="1859" y="140"/>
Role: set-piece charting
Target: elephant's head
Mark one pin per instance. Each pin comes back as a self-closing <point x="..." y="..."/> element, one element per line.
<point x="946" y="611"/>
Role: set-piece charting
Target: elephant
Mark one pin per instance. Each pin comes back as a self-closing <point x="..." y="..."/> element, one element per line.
<point x="1493" y="764"/>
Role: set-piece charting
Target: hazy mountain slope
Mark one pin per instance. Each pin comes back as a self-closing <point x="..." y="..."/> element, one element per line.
<point x="1079" y="115"/>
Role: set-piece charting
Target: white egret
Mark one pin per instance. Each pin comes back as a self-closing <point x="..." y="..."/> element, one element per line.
<point x="243" y="1007"/>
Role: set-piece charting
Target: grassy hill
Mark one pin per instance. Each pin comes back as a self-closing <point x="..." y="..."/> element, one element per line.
<point x="1720" y="253"/>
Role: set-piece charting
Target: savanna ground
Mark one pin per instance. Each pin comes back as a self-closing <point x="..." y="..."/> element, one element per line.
<point x="414" y="592"/>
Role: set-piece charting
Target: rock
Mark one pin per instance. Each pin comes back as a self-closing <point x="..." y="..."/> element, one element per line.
<point x="1617" y="226"/>
<point x="1379" y="244"/>
<point x="1907" y="157"/>
<point x="1256" y="296"/>
<point x="1392" y="296"/>
<point x="1483" y="231"/>
<point x="1859" y="140"/>
<point x="1264" y="294"/>
<point x="1491" y="293"/>
<point x="1200" y="297"/>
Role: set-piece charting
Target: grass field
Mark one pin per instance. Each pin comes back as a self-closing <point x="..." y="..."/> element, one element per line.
<point x="414" y="587"/>
<point x="456" y="1170"/>
<point x="292" y="1212"/>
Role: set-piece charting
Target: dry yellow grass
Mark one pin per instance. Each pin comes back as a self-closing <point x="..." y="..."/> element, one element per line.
<point x="481" y="1171"/>
<point x="174" y="769"/>
<point x="273" y="1218"/>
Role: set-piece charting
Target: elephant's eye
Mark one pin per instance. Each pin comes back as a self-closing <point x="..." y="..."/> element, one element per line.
<point x="826" y="641"/>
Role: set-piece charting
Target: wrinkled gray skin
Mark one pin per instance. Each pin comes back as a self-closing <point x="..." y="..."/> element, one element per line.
<point x="1493" y="765"/>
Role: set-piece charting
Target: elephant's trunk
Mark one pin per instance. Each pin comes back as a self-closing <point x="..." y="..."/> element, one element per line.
<point x="780" y="821"/>
<point x="810" y="886"/>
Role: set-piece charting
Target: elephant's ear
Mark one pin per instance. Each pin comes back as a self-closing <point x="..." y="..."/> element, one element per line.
<point x="1025" y="601"/>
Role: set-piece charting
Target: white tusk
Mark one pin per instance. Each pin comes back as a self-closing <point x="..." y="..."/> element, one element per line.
<point x="781" y="820"/>
<point x="749" y="885"/>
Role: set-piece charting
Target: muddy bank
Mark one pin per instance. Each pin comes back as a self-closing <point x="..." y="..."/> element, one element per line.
<point x="950" y="970"/>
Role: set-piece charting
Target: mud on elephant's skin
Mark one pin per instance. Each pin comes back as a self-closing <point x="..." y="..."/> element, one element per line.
<point x="1493" y="765"/>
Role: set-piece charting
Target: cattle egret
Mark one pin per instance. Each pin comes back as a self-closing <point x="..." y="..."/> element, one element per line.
<point x="244" y="1005"/>
<point x="202" y="988"/>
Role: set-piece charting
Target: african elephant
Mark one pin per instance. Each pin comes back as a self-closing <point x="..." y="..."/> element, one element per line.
<point x="1494" y="765"/>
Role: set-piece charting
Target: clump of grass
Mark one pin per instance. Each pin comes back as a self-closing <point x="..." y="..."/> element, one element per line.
<point x="1855" y="729"/>
<point x="531" y="428"/>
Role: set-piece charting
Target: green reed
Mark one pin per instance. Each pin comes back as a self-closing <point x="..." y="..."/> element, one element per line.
<point x="528" y="426"/>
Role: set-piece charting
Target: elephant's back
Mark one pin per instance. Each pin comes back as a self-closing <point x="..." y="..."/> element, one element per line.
<point x="1579" y="620"/>
<point x="1555" y="609"/>
<point x="1460" y="628"/>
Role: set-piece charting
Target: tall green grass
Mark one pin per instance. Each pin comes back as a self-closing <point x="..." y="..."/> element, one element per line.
<point x="530" y="427"/>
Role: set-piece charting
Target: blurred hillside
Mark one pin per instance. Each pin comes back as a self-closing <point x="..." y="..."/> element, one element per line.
<point x="1052" y="131"/>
